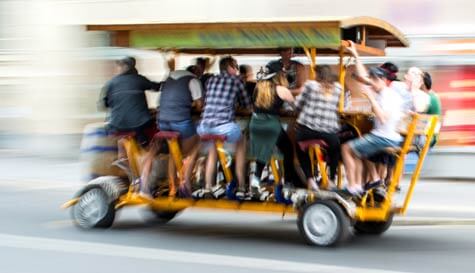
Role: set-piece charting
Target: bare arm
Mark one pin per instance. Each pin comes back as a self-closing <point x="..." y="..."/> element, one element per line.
<point x="197" y="104"/>
<point x="378" y="111"/>
<point x="361" y="74"/>
<point x="285" y="94"/>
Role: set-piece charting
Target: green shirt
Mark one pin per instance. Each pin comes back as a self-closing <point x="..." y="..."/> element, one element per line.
<point x="435" y="107"/>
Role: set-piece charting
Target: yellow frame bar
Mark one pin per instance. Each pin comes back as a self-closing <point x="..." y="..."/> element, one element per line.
<point x="222" y="159"/>
<point x="415" y="176"/>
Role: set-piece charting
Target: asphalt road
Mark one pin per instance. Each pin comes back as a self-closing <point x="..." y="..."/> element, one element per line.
<point x="437" y="235"/>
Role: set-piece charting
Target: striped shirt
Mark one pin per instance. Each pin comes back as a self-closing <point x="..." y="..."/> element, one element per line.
<point x="317" y="111"/>
<point x="223" y="91"/>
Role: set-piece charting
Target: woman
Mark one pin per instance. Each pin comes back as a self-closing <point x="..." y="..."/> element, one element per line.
<point x="265" y="128"/>
<point x="318" y="119"/>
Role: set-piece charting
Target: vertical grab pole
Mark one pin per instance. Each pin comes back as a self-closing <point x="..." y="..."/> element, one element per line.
<point x="178" y="161"/>
<point x="400" y="163"/>
<point x="312" y="55"/>
<point x="222" y="159"/>
<point x="275" y="170"/>
<point x="341" y="79"/>
<point x="415" y="175"/>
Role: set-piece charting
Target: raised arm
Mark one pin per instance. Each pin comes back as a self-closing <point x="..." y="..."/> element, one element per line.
<point x="361" y="74"/>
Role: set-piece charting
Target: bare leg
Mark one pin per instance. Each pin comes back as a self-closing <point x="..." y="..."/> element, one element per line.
<point x="373" y="171"/>
<point x="358" y="174"/>
<point x="349" y="163"/>
<point x="147" y="163"/>
<point x="210" y="172"/>
<point x="121" y="149"/>
<point x="190" y="149"/>
<point x="241" y="162"/>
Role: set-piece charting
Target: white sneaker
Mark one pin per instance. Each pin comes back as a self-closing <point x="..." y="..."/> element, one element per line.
<point x="255" y="182"/>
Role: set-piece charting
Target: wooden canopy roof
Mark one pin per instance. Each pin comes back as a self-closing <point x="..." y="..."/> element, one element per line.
<point x="258" y="36"/>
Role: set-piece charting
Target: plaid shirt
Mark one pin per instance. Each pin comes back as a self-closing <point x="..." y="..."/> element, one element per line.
<point x="318" y="112"/>
<point x="223" y="91"/>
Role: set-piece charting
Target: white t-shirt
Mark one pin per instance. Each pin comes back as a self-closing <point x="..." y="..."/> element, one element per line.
<point x="391" y="103"/>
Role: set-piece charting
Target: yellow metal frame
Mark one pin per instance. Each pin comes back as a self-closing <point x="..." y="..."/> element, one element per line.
<point x="381" y="213"/>
<point x="364" y="210"/>
<point x="317" y="160"/>
<point x="228" y="175"/>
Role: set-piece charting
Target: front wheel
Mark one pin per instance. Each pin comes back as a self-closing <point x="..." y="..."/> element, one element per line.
<point x="94" y="209"/>
<point x="324" y="223"/>
<point x="373" y="227"/>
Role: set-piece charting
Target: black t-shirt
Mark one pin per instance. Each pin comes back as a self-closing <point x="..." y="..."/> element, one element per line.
<point x="250" y="87"/>
<point x="125" y="96"/>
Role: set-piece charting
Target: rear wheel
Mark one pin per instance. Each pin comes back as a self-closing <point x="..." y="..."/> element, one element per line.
<point x="161" y="216"/>
<point x="324" y="223"/>
<point x="373" y="227"/>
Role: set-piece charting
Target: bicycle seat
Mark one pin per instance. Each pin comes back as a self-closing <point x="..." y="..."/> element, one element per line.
<point x="304" y="145"/>
<point x="124" y="134"/>
<point x="167" y="135"/>
<point x="213" y="137"/>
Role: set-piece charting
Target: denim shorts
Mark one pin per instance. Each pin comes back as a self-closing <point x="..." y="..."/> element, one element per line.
<point x="231" y="130"/>
<point x="370" y="144"/>
<point x="186" y="128"/>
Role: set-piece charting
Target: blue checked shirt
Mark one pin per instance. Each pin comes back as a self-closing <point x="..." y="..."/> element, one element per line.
<point x="223" y="91"/>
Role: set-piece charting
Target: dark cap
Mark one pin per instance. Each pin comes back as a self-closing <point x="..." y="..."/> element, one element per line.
<point x="378" y="72"/>
<point x="127" y="61"/>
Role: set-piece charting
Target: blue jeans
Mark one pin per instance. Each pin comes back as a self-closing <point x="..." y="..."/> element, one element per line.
<point x="186" y="128"/>
<point x="370" y="144"/>
<point x="231" y="130"/>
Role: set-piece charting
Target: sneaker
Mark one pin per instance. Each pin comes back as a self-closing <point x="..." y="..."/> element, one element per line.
<point x="374" y="184"/>
<point x="201" y="194"/>
<point x="351" y="192"/>
<point x="218" y="191"/>
<point x="241" y="195"/>
<point x="379" y="194"/>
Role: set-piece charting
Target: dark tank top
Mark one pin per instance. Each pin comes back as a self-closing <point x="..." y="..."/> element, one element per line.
<point x="275" y="107"/>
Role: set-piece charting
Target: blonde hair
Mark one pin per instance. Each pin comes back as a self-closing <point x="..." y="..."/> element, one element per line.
<point x="266" y="89"/>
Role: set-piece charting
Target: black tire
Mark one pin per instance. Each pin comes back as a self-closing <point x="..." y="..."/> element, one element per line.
<point x="372" y="227"/>
<point x="162" y="217"/>
<point x="94" y="209"/>
<point x="324" y="223"/>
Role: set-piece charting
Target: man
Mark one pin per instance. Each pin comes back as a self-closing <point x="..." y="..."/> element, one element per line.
<point x="124" y="95"/>
<point x="218" y="118"/>
<point x="387" y="107"/>
<point x="434" y="107"/>
<point x="294" y="70"/>
<point x="180" y="92"/>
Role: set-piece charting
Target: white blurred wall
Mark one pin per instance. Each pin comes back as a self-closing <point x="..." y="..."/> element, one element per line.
<point x="49" y="88"/>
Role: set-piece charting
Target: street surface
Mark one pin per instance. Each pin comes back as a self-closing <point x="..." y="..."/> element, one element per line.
<point x="437" y="235"/>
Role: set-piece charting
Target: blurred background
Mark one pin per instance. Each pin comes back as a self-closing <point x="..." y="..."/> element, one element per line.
<point x="52" y="69"/>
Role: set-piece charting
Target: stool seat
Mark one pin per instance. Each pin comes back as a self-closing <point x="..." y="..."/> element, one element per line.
<point x="167" y="135"/>
<point x="346" y="134"/>
<point x="213" y="137"/>
<point x="304" y="145"/>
